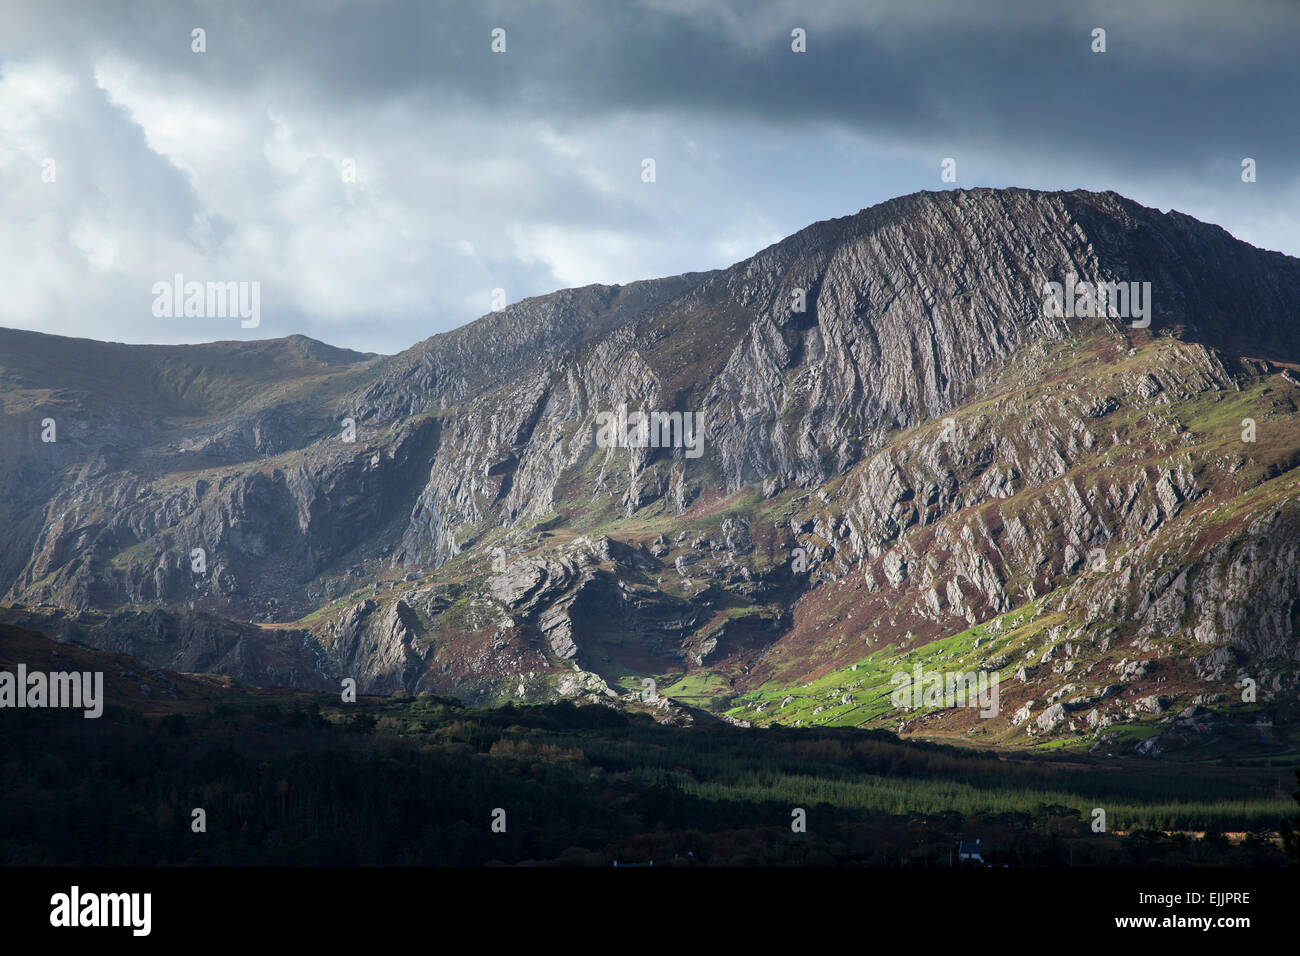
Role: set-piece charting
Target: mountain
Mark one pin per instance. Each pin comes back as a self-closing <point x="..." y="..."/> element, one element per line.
<point x="907" y="459"/>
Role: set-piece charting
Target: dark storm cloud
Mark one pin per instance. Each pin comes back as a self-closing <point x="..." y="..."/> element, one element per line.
<point x="1181" y="83"/>
<point x="521" y="171"/>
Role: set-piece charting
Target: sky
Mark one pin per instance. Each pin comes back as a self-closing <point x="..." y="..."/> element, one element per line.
<point x="383" y="174"/>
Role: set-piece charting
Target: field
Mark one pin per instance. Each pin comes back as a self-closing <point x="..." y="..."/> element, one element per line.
<point x="291" y="778"/>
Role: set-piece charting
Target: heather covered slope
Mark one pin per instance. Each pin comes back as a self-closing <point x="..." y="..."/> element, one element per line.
<point x="918" y="456"/>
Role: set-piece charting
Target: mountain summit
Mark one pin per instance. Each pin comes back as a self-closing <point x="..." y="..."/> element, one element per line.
<point x="908" y="458"/>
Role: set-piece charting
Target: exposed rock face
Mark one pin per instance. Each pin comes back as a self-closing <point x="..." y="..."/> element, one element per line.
<point x="377" y="647"/>
<point x="898" y="443"/>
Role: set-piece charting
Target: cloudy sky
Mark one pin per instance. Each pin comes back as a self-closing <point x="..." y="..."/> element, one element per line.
<point x="522" y="170"/>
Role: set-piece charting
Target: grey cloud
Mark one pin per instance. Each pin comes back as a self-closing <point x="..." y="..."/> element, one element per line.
<point x="750" y="138"/>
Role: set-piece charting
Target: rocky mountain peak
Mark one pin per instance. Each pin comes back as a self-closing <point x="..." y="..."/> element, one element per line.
<point x="899" y="441"/>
